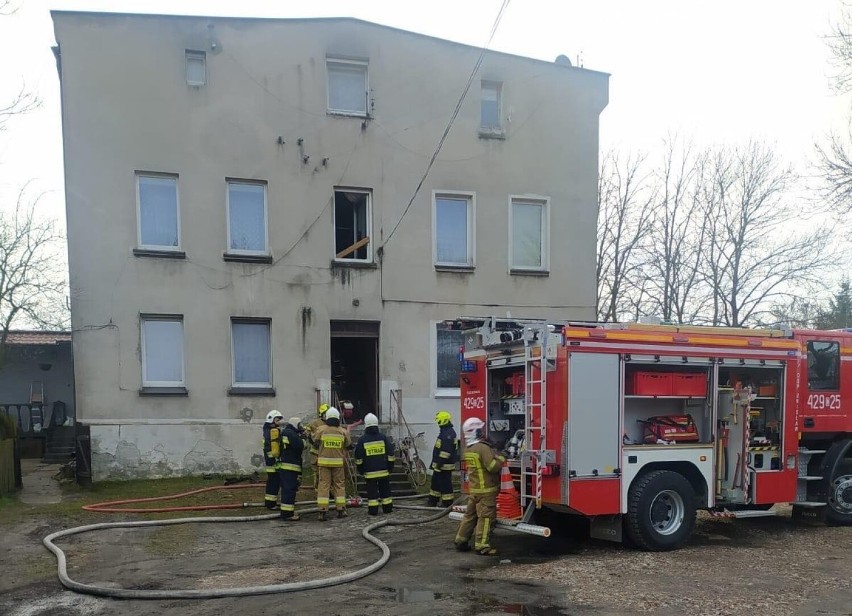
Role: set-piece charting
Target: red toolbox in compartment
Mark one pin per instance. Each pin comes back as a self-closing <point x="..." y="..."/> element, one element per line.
<point x="689" y="384"/>
<point x="650" y="384"/>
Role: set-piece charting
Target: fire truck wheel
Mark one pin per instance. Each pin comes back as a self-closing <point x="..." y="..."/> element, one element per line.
<point x="661" y="511"/>
<point x="839" y="510"/>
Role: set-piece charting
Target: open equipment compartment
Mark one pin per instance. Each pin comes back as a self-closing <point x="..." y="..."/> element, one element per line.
<point x="506" y="397"/>
<point x="673" y="388"/>
<point x="762" y="432"/>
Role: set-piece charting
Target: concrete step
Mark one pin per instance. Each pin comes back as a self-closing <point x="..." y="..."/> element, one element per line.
<point x="56" y="458"/>
<point x="63" y="443"/>
<point x="59" y="432"/>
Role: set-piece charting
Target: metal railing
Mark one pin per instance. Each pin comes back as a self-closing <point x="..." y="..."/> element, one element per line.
<point x="407" y="453"/>
<point x="28" y="417"/>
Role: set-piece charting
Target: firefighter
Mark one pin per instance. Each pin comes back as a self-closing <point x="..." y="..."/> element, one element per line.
<point x="290" y="467"/>
<point x="332" y="442"/>
<point x="483" y="465"/>
<point x="271" y="453"/>
<point x="310" y="429"/>
<point x="374" y="459"/>
<point x="444" y="458"/>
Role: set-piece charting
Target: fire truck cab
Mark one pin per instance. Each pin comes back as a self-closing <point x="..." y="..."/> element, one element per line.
<point x="638" y="426"/>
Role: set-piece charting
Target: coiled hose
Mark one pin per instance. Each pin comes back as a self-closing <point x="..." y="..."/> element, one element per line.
<point x="127" y="593"/>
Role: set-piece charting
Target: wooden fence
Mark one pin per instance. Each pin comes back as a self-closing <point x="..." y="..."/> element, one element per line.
<point x="8" y="481"/>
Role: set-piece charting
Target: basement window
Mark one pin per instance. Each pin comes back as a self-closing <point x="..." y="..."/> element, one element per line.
<point x="352" y="224"/>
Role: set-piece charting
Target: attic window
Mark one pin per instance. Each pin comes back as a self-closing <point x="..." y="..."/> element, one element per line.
<point x="490" y="105"/>
<point x="196" y="68"/>
<point x="347" y="87"/>
<point x="352" y="224"/>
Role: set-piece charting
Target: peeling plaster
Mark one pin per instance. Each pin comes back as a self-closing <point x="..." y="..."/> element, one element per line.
<point x="165" y="451"/>
<point x="209" y="457"/>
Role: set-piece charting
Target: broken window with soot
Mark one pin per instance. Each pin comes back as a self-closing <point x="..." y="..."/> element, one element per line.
<point x="352" y="223"/>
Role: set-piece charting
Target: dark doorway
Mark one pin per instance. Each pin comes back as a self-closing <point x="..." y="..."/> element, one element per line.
<point x="355" y="366"/>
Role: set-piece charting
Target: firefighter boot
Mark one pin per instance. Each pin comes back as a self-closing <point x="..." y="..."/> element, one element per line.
<point x="373" y="510"/>
<point x="462" y="547"/>
<point x="341" y="513"/>
<point x="387" y="508"/>
<point x="432" y="501"/>
<point x="322" y="517"/>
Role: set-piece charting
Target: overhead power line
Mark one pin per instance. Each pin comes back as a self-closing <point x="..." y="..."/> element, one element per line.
<point x="452" y="119"/>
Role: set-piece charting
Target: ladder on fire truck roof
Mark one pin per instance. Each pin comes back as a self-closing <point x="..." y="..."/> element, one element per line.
<point x="533" y="457"/>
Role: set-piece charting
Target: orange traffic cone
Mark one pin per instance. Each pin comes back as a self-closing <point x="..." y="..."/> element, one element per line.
<point x="508" y="500"/>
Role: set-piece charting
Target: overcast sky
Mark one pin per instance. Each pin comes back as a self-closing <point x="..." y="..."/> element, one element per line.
<point x="714" y="71"/>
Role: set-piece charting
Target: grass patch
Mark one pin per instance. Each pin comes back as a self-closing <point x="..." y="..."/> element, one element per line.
<point x="69" y="512"/>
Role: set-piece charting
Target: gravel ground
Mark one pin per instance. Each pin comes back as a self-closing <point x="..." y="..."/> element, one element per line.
<point x="756" y="566"/>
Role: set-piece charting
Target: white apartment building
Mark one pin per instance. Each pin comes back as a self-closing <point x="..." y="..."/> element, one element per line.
<point x="251" y="224"/>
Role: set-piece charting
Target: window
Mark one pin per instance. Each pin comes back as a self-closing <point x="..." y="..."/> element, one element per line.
<point x="448" y="344"/>
<point x="196" y="68"/>
<point x="252" y="355"/>
<point x="453" y="229"/>
<point x="352" y="225"/>
<point x="162" y="351"/>
<point x="157" y="199"/>
<point x="528" y="225"/>
<point x="490" y="106"/>
<point x="823" y="365"/>
<point x="247" y="217"/>
<point x="347" y="87"/>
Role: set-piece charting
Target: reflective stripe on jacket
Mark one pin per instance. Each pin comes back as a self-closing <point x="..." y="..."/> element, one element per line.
<point x="332" y="443"/>
<point x="291" y="450"/>
<point x="446" y="451"/>
<point x="374" y="454"/>
<point x="483" y="468"/>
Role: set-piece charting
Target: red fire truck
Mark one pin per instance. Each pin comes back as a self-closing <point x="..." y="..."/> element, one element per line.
<point x="637" y="426"/>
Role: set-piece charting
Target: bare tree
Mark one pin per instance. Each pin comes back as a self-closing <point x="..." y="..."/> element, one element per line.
<point x="624" y="215"/>
<point x="679" y="227"/>
<point x="23" y="102"/>
<point x="839" y="42"/>
<point x="793" y="311"/>
<point x="32" y="280"/>
<point x="755" y="250"/>
<point x="834" y="158"/>
<point x="32" y="277"/>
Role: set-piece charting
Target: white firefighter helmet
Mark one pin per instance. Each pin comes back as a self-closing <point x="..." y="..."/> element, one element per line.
<point x="370" y="420"/>
<point x="472" y="429"/>
<point x="296" y="422"/>
<point x="332" y="413"/>
<point x="271" y="415"/>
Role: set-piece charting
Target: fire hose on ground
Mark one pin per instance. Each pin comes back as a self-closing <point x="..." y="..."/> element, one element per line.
<point x="128" y="593"/>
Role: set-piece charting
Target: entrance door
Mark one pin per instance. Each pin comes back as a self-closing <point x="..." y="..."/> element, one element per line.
<point x="355" y="367"/>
